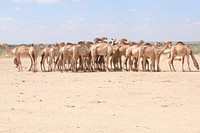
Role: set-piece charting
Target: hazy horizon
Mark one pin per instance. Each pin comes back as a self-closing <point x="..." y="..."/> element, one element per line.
<point x="50" y="21"/>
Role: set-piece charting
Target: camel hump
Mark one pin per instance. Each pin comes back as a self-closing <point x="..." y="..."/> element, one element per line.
<point x="148" y="44"/>
<point x="180" y="42"/>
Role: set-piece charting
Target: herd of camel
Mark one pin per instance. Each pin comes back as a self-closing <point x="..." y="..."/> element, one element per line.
<point x="101" y="54"/>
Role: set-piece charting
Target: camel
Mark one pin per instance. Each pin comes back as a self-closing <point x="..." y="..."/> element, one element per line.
<point x="122" y="45"/>
<point x="61" y="58"/>
<point x="80" y="50"/>
<point x="44" y="56"/>
<point x="182" y="49"/>
<point x="147" y="50"/>
<point x="32" y="55"/>
<point x="22" y="49"/>
<point x="160" y="51"/>
<point x="69" y="55"/>
<point x="32" y="52"/>
<point x="132" y="53"/>
<point x="100" y="48"/>
<point x="152" y="51"/>
<point x="53" y="53"/>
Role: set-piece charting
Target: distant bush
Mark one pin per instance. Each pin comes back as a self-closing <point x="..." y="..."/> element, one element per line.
<point x="195" y="48"/>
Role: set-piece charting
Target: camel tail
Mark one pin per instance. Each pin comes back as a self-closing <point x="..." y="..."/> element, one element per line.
<point x="57" y="58"/>
<point x="141" y="51"/>
<point x="42" y="57"/>
<point x="15" y="58"/>
<point x="16" y="62"/>
<point x="194" y="60"/>
<point x="169" y="55"/>
<point x="33" y="55"/>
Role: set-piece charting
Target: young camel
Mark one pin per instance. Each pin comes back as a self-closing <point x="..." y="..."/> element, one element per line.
<point x="182" y="49"/>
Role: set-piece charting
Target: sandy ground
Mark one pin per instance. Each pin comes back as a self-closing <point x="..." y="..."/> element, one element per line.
<point x="99" y="102"/>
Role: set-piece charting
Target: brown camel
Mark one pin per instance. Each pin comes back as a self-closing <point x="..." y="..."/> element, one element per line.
<point x="182" y="49"/>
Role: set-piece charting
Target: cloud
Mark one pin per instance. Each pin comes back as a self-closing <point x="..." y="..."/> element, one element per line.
<point x="72" y="24"/>
<point x="47" y="1"/>
<point x="38" y="1"/>
<point x="132" y="10"/>
<point x="18" y="9"/>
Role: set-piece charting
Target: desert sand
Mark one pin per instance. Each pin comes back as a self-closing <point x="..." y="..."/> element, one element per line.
<point x="99" y="102"/>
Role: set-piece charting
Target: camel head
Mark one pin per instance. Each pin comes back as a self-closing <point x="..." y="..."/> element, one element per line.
<point x="141" y="42"/>
<point x="81" y="42"/>
<point x="61" y="44"/>
<point x="97" y="40"/>
<point x="157" y="44"/>
<point x="131" y="43"/>
<point x="168" y="43"/>
<point x="113" y="39"/>
<point x="113" y="42"/>
<point x="4" y="45"/>
<point x="123" y="40"/>
<point x="104" y="38"/>
<point x="40" y="46"/>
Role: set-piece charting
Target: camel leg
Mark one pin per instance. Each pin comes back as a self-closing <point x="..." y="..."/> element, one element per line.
<point x="183" y="59"/>
<point x="188" y="62"/>
<point x="130" y="63"/>
<point x="31" y="64"/>
<point x="153" y="65"/>
<point x="20" y="65"/>
<point x="44" y="64"/>
<point x="50" y="65"/>
<point x="144" y="64"/>
<point x="124" y="63"/>
<point x="158" y="62"/>
<point x="41" y="65"/>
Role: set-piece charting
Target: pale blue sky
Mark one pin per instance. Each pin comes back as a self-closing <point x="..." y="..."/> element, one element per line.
<point x="50" y="21"/>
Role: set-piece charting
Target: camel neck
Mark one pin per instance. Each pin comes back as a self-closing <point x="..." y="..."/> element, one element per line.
<point x="8" y="50"/>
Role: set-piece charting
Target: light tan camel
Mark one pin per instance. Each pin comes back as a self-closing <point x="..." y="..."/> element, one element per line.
<point x="80" y="50"/>
<point x="146" y="51"/>
<point x="32" y="53"/>
<point x="122" y="46"/>
<point x="44" y="56"/>
<point x="69" y="56"/>
<point x="182" y="49"/>
<point x="53" y="53"/>
<point x="61" y="58"/>
<point x="159" y="52"/>
<point x="101" y="49"/>
<point x="22" y="49"/>
<point x="152" y="51"/>
<point x="132" y="53"/>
